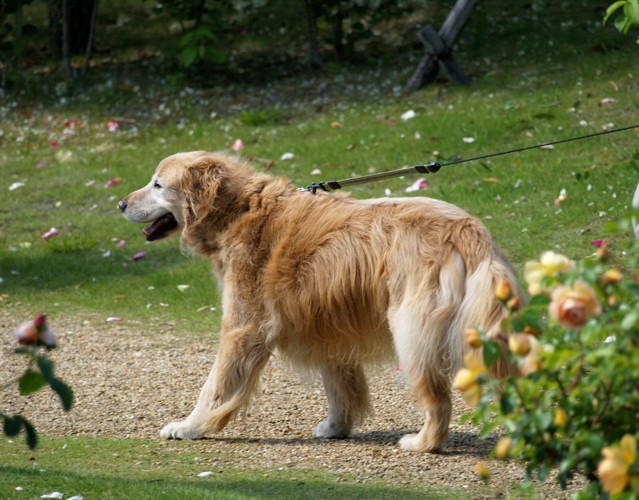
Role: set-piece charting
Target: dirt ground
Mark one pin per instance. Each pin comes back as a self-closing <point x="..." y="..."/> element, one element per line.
<point x="130" y="381"/>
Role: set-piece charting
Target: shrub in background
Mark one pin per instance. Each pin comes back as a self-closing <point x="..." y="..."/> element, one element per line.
<point x="574" y="402"/>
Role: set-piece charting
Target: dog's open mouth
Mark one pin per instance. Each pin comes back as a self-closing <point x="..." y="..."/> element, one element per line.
<point x="160" y="228"/>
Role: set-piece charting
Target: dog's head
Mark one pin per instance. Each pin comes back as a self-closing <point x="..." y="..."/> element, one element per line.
<point x="183" y="190"/>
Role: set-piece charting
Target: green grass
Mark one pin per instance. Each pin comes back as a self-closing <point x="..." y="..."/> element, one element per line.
<point x="139" y="469"/>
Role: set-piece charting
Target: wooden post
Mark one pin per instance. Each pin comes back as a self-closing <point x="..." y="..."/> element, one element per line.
<point x="439" y="46"/>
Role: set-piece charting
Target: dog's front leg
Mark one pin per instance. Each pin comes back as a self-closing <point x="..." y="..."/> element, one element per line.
<point x="241" y="357"/>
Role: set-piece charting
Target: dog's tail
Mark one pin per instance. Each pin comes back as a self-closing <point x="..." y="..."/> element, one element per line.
<point x="481" y="269"/>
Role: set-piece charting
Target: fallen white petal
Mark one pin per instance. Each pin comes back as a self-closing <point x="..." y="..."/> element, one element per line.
<point x="76" y="497"/>
<point x="468" y="140"/>
<point x="55" y="494"/>
<point x="316" y="171"/>
<point x="183" y="288"/>
<point x="409" y="115"/>
<point x="287" y="156"/>
<point x="15" y="186"/>
<point x="205" y="474"/>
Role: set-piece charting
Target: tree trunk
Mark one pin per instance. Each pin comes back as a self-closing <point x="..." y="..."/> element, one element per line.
<point x="79" y="25"/>
<point x="313" y="40"/>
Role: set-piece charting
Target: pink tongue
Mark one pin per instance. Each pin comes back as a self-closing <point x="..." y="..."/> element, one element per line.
<point x="149" y="230"/>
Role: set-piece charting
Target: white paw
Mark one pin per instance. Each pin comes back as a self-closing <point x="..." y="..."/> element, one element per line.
<point x="180" y="430"/>
<point x="410" y="442"/>
<point x="326" y="430"/>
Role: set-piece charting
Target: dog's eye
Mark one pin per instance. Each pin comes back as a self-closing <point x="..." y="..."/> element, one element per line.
<point x="156" y="185"/>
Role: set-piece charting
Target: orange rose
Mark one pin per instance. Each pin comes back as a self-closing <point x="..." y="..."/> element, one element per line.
<point x="572" y="306"/>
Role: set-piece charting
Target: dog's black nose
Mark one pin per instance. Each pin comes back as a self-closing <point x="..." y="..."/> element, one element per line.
<point x="122" y="204"/>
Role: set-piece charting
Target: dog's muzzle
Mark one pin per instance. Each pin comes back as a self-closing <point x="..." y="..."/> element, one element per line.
<point x="122" y="204"/>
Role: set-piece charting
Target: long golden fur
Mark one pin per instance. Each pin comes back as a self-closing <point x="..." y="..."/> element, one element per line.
<point x="328" y="282"/>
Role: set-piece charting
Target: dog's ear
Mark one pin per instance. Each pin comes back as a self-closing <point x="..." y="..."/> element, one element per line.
<point x="200" y="184"/>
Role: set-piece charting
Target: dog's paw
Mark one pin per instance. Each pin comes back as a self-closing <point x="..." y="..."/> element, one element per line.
<point x="180" y="430"/>
<point x="326" y="430"/>
<point x="413" y="442"/>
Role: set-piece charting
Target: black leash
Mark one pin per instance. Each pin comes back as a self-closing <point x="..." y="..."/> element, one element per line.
<point x="432" y="167"/>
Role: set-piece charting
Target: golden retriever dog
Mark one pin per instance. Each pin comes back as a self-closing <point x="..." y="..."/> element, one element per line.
<point x="330" y="283"/>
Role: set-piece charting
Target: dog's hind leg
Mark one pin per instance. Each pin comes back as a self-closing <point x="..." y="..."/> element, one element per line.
<point x="435" y="396"/>
<point x="423" y="359"/>
<point x="347" y="394"/>
<point x="429" y="347"/>
<point x="241" y="357"/>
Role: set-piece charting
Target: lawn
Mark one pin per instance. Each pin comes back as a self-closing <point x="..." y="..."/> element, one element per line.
<point x="70" y="151"/>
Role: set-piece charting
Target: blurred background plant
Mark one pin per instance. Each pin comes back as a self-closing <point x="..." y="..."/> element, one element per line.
<point x="35" y="337"/>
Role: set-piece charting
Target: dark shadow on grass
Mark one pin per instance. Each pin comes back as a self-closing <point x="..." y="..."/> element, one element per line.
<point x="223" y="484"/>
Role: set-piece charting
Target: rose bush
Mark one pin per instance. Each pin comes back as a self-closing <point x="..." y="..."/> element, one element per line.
<point x="34" y="336"/>
<point x="573" y="404"/>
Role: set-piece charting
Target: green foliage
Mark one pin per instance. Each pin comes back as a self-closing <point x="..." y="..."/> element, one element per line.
<point x="574" y="347"/>
<point x="628" y="18"/>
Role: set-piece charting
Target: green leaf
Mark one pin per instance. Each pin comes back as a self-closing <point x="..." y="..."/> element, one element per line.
<point x="630" y="320"/>
<point x="506" y="404"/>
<point x="612" y="8"/>
<point x="65" y="393"/>
<point x="188" y="55"/>
<point x="492" y="351"/>
<point x="539" y="301"/>
<point x="631" y="11"/>
<point x="622" y="23"/>
<point x="46" y="368"/>
<point x="31" y="382"/>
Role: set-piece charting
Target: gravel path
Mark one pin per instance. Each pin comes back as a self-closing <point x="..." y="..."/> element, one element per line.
<point x="129" y="382"/>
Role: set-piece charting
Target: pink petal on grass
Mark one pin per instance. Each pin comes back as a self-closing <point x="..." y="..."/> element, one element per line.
<point x="120" y="243"/>
<point x="50" y="233"/>
<point x="597" y="243"/>
<point x="114" y="318"/>
<point x="417" y="185"/>
<point x="112" y="182"/>
<point x="54" y="144"/>
<point x="238" y="145"/>
<point x="113" y="126"/>
<point x="139" y="255"/>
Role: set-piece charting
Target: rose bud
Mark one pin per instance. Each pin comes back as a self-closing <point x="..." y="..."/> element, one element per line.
<point x="482" y="471"/>
<point x="473" y="338"/>
<point x="504" y="447"/>
<point x="519" y="343"/>
<point x="502" y="291"/>
<point x="561" y="419"/>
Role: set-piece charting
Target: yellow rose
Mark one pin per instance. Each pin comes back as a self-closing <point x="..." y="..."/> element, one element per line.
<point x="549" y="264"/>
<point x="571" y="306"/>
<point x="532" y="360"/>
<point x="611" y="276"/>
<point x="466" y="379"/>
<point x="613" y="469"/>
